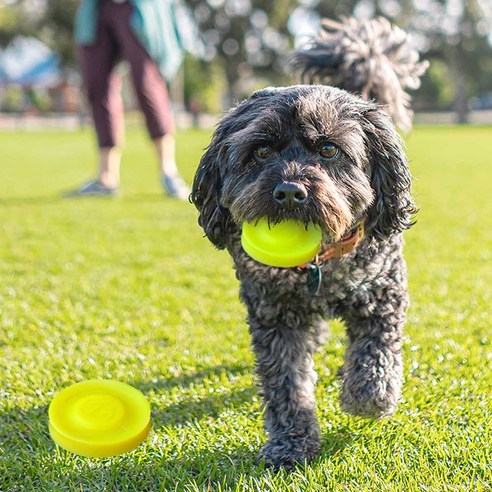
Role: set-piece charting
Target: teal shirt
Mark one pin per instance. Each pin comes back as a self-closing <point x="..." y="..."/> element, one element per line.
<point x="153" y="22"/>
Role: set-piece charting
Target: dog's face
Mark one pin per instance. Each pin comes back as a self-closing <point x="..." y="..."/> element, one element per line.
<point x="311" y="153"/>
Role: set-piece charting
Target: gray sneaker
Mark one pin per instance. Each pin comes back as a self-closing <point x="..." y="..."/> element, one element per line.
<point x="175" y="187"/>
<point x="93" y="188"/>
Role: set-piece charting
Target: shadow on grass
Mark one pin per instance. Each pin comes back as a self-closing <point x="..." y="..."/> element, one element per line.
<point x="230" y="371"/>
<point x="31" y="461"/>
<point x="210" y="405"/>
<point x="62" y="196"/>
<point x="55" y="469"/>
<point x="25" y="444"/>
<point x="334" y="442"/>
<point x="31" y="200"/>
<point x="151" y="197"/>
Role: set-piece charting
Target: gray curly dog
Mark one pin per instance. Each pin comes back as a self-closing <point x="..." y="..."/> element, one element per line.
<point x="315" y="154"/>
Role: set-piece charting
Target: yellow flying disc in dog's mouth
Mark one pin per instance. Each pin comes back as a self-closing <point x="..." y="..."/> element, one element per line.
<point x="99" y="418"/>
<point x="286" y="244"/>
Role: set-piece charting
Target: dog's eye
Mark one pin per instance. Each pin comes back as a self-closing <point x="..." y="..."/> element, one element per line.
<point x="328" y="150"/>
<point x="263" y="151"/>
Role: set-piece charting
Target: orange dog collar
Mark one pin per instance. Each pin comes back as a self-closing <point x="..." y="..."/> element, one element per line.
<point x="336" y="250"/>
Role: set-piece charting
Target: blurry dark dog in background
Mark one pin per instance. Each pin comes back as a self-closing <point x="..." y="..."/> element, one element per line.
<point x="341" y="165"/>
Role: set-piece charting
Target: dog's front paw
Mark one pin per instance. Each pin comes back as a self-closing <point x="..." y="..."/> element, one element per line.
<point x="372" y="378"/>
<point x="278" y="454"/>
<point x="370" y="397"/>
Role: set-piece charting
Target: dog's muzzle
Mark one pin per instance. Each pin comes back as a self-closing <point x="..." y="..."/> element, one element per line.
<point x="290" y="195"/>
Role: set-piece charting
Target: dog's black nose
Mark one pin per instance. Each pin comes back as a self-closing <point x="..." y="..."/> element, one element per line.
<point x="290" y="195"/>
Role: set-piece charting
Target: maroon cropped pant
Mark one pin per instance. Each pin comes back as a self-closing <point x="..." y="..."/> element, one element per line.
<point x="115" y="40"/>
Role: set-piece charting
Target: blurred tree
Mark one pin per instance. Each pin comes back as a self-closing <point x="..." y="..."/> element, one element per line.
<point x="204" y="84"/>
<point x="248" y="36"/>
<point x="57" y="28"/>
<point x="458" y="32"/>
<point x="51" y="21"/>
<point x="19" y="17"/>
<point x="436" y="93"/>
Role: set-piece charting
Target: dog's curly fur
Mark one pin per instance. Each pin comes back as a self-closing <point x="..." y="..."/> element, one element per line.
<point x="368" y="180"/>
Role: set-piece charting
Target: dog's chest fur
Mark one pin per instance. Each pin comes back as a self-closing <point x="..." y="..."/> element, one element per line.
<point x="350" y="285"/>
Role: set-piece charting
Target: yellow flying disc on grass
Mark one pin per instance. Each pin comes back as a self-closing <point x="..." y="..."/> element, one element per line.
<point x="286" y="244"/>
<point x="99" y="418"/>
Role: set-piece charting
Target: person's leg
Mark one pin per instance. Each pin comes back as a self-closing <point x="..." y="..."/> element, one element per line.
<point x="109" y="166"/>
<point x="166" y="151"/>
<point x="153" y="98"/>
<point x="171" y="180"/>
<point x="103" y="89"/>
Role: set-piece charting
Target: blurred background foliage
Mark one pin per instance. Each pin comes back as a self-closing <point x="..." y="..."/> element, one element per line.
<point x="236" y="46"/>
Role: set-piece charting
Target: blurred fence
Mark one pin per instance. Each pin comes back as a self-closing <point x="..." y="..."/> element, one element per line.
<point x="474" y="117"/>
<point x="72" y="121"/>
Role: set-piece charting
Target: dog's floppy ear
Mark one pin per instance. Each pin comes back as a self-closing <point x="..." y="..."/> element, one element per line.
<point x="393" y="208"/>
<point x="206" y="192"/>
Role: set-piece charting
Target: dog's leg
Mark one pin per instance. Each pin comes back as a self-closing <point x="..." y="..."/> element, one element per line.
<point x="372" y="371"/>
<point x="284" y="357"/>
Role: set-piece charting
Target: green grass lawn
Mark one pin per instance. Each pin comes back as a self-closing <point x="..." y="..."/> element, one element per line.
<point x="128" y="289"/>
